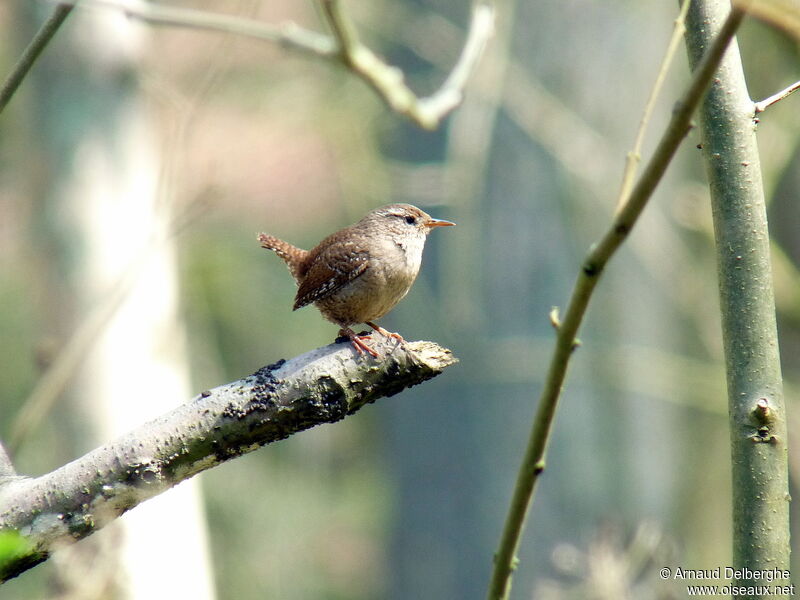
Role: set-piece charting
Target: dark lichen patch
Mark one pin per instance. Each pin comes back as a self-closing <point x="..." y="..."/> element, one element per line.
<point x="334" y="398"/>
<point x="225" y="451"/>
<point x="395" y="380"/>
<point x="355" y="383"/>
<point x="263" y="397"/>
<point x="261" y="431"/>
<point x="393" y="370"/>
<point x="264" y="387"/>
<point x="326" y="404"/>
<point x="233" y="411"/>
<point x="268" y="370"/>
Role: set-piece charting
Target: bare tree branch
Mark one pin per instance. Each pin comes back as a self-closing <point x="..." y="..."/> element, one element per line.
<point x="344" y="47"/>
<point x="321" y="386"/>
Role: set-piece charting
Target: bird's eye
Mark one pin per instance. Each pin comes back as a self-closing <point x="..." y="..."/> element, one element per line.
<point x="411" y="220"/>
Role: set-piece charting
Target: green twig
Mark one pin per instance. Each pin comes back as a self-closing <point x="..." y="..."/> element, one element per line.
<point x="32" y="52"/>
<point x="533" y="461"/>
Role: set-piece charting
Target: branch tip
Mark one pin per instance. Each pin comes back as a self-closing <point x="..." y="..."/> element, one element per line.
<point x="760" y="107"/>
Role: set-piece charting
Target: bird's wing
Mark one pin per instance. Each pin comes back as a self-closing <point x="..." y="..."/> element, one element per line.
<point x="331" y="267"/>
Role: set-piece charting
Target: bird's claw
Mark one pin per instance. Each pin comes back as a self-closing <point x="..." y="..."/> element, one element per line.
<point x="358" y="342"/>
<point x="384" y="333"/>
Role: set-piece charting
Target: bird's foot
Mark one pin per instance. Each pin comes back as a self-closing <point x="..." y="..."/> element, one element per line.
<point x="358" y="341"/>
<point x="385" y="333"/>
<point x="388" y="334"/>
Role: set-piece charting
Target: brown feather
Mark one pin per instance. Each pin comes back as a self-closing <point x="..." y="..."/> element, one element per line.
<point x="334" y="263"/>
<point x="293" y="256"/>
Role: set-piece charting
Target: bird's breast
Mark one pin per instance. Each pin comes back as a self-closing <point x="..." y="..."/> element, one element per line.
<point x="391" y="273"/>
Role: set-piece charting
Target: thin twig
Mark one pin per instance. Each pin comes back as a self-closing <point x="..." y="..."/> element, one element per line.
<point x="767" y="102"/>
<point x="32" y="52"/>
<point x="533" y="462"/>
<point x="635" y="155"/>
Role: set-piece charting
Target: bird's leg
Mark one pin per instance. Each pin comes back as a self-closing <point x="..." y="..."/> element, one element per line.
<point x="385" y="333"/>
<point x="358" y="341"/>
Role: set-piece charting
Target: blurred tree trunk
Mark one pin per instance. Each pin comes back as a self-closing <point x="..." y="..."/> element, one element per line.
<point x="102" y="151"/>
<point x="755" y="394"/>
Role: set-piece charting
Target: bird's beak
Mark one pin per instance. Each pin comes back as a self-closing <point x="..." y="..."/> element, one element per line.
<point x="439" y="223"/>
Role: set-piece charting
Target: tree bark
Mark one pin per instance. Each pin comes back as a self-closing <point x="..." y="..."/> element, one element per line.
<point x="321" y="386"/>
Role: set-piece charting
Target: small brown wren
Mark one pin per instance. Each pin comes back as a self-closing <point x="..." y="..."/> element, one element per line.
<point x="359" y="273"/>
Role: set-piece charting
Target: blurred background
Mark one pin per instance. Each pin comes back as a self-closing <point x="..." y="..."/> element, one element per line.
<point x="137" y="165"/>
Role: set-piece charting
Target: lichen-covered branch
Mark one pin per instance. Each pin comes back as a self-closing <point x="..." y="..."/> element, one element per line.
<point x="321" y="386"/>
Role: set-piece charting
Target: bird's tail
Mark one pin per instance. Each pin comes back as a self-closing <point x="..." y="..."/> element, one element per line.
<point x="291" y="255"/>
